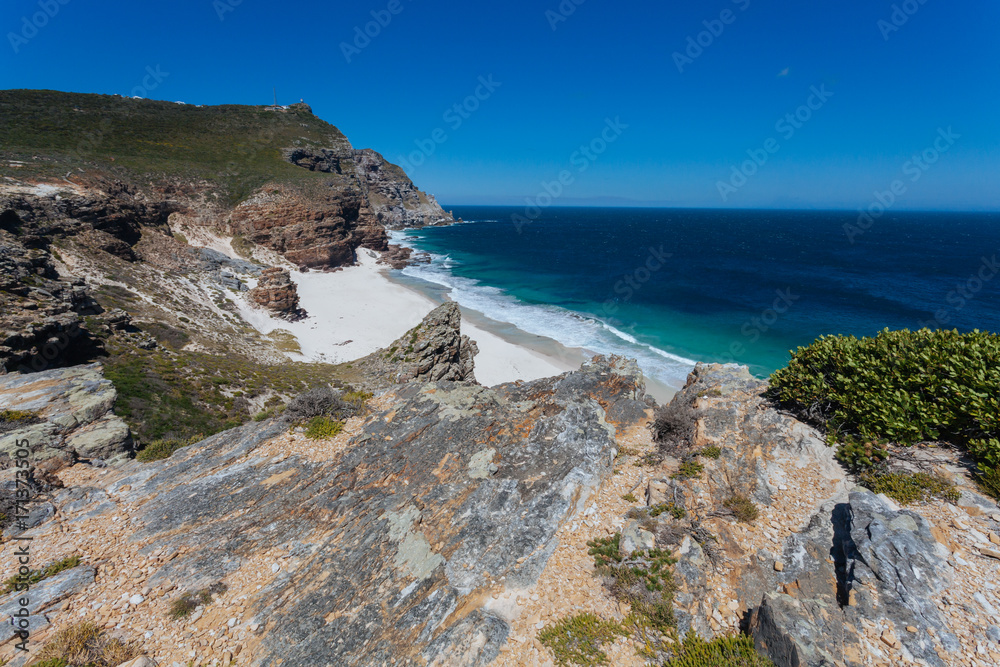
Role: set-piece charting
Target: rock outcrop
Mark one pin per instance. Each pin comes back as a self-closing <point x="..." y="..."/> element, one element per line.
<point x="312" y="230"/>
<point x="40" y="315"/>
<point x="276" y="292"/>
<point x="396" y="201"/>
<point x="433" y="350"/>
<point x="383" y="547"/>
<point x="72" y="416"/>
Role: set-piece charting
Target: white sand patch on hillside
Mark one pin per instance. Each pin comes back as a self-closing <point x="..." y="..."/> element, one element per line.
<point x="358" y="310"/>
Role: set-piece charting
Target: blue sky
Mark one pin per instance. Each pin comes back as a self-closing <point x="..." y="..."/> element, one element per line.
<point x="887" y="91"/>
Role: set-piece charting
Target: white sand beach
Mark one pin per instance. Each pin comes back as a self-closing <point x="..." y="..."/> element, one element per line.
<point x="358" y="310"/>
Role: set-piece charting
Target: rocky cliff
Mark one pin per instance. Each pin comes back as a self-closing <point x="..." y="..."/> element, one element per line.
<point x="279" y="178"/>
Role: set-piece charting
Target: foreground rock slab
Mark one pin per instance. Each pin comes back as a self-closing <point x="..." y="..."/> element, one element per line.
<point x="392" y="541"/>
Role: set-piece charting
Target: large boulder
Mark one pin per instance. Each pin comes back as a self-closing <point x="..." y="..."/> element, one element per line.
<point x="433" y="350"/>
<point x="71" y="412"/>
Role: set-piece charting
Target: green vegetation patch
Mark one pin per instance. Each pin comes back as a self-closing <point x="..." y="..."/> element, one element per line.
<point x="236" y="147"/>
<point x="900" y="386"/>
<point x="744" y="509"/>
<point x="643" y="579"/>
<point x="732" y="651"/>
<point x="85" y="645"/>
<point x="671" y="508"/>
<point x="164" y="449"/>
<point x="187" y="603"/>
<point x="322" y="428"/>
<point x="35" y="576"/>
<point x="906" y="488"/>
<point x="175" y="396"/>
<point x="689" y="469"/>
<point x="630" y="498"/>
<point x="578" y="640"/>
<point x="711" y="452"/>
<point x="11" y="420"/>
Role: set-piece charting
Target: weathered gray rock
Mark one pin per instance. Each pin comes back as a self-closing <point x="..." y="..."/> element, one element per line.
<point x="74" y="409"/>
<point x="855" y="560"/>
<point x="803" y="618"/>
<point x="898" y="569"/>
<point x="452" y="490"/>
<point x="433" y="350"/>
<point x="40" y="597"/>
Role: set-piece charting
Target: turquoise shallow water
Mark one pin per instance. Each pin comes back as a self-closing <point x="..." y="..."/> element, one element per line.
<point x="671" y="287"/>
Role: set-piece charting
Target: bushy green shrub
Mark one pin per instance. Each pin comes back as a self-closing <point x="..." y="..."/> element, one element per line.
<point x="643" y="579"/>
<point x="321" y="428"/>
<point x="671" y="508"/>
<point x="906" y="488"/>
<point x="988" y="480"/>
<point x="744" y="509"/>
<point x="577" y="640"/>
<point x="711" y="452"/>
<point x="900" y="386"/>
<point x="732" y="651"/>
<point x="164" y="449"/>
<point x="689" y="469"/>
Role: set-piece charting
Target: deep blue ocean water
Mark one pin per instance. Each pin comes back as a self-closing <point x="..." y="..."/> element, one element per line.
<point x="673" y="286"/>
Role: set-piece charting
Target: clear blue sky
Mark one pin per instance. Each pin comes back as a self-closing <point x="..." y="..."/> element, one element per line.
<point x="892" y="89"/>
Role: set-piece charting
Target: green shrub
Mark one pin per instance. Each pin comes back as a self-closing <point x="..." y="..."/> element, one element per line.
<point x="732" y="651"/>
<point x="671" y="508"/>
<point x="861" y="455"/>
<point x="643" y="579"/>
<point x="711" y="452"/>
<point x="906" y="488"/>
<point x="17" y="416"/>
<point x="577" y="640"/>
<point x="321" y="428"/>
<point x="50" y="570"/>
<point x="689" y="469"/>
<point x="164" y="449"/>
<point x="988" y="480"/>
<point x="742" y="508"/>
<point x="899" y="386"/>
<point x="630" y="498"/>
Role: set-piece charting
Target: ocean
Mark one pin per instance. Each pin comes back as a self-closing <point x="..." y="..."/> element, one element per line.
<point x="670" y="287"/>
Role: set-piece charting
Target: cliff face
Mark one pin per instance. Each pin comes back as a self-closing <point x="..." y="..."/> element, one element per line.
<point x="279" y="178"/>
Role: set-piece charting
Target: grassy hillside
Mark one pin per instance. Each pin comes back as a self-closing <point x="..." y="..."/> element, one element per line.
<point x="236" y="147"/>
